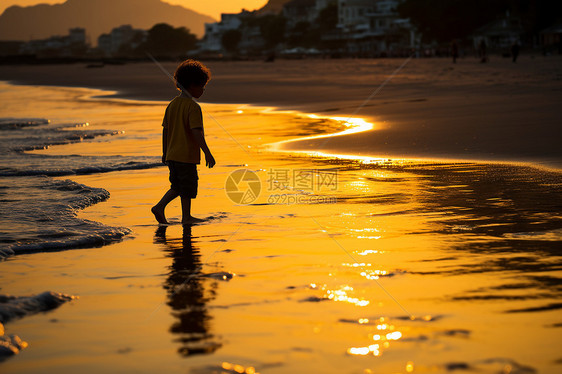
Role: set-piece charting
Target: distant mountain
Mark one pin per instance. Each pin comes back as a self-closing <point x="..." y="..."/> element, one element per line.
<point x="273" y="6"/>
<point x="96" y="16"/>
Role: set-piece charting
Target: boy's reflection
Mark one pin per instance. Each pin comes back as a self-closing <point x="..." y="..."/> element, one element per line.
<point x="186" y="294"/>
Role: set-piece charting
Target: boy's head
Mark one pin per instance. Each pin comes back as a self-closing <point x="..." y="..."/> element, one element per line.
<point x="192" y="76"/>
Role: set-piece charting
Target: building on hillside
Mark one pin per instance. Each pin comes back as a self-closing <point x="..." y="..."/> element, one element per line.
<point x="212" y="41"/>
<point x="499" y="35"/>
<point x="551" y="39"/>
<point x="252" y="42"/>
<point x="296" y="11"/>
<point x="77" y="35"/>
<point x="352" y="14"/>
<point x="121" y="40"/>
<point x="71" y="45"/>
<point x="374" y="28"/>
<point x="365" y="27"/>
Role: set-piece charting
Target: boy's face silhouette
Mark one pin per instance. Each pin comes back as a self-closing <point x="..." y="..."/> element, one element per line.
<point x="196" y="90"/>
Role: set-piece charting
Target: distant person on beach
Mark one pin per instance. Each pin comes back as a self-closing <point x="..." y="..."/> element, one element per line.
<point x="482" y="52"/>
<point x="183" y="139"/>
<point x="515" y="51"/>
<point x="454" y="51"/>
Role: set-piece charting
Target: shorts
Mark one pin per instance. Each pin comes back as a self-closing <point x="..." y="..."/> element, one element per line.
<point x="183" y="177"/>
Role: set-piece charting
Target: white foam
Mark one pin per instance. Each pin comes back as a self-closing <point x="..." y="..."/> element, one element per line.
<point x="12" y="307"/>
<point x="10" y="345"/>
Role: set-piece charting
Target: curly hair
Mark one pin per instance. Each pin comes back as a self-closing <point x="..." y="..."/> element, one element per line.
<point x="191" y="72"/>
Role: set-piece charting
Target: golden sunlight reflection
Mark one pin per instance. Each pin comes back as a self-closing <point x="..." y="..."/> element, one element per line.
<point x="235" y="368"/>
<point x="359" y="185"/>
<point x="342" y="156"/>
<point x="409" y="366"/>
<point x="352" y="126"/>
<point x="366" y="230"/>
<point x="373" y="274"/>
<point x="368" y="252"/>
<point x="355" y="264"/>
<point x="363" y="351"/>
<point x="369" y="274"/>
<point x="385" y="333"/>
<point x="340" y="294"/>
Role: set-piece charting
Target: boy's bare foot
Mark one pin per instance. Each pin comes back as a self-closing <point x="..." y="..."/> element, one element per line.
<point x="191" y="221"/>
<point x="159" y="215"/>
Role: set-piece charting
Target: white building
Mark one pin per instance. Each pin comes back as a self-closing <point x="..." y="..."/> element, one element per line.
<point x="352" y="13"/>
<point x="359" y="14"/>
<point x="212" y="41"/>
<point x="296" y="11"/>
<point x="110" y="44"/>
<point x="58" y="45"/>
<point x="370" y="27"/>
<point x="374" y="25"/>
<point x="77" y="35"/>
<point x="500" y="34"/>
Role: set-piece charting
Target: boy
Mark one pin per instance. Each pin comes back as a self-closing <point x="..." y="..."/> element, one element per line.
<point x="182" y="140"/>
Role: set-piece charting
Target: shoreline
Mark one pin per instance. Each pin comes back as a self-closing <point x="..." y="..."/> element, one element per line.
<point x="431" y="109"/>
<point x="102" y="95"/>
<point x="364" y="126"/>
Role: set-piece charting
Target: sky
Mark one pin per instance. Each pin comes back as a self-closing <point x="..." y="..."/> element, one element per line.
<point x="212" y="8"/>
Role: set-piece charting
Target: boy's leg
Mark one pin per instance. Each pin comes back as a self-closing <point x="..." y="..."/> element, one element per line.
<point x="186" y="212"/>
<point x="185" y="209"/>
<point x="158" y="209"/>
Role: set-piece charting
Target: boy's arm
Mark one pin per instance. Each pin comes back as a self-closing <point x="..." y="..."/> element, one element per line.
<point x="200" y="139"/>
<point x="164" y="144"/>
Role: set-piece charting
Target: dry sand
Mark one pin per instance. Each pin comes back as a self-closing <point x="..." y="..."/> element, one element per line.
<point x="430" y="109"/>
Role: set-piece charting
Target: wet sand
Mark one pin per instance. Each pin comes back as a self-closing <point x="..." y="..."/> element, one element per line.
<point x="430" y="109"/>
<point x="403" y="266"/>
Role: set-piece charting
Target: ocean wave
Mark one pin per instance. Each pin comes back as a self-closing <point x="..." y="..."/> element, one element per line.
<point x="10" y="345"/>
<point x="52" y="224"/>
<point x="21" y="139"/>
<point x="38" y="213"/>
<point x="16" y="123"/>
<point x="58" y="166"/>
<point x="14" y="307"/>
<point x="56" y="136"/>
<point x="27" y="134"/>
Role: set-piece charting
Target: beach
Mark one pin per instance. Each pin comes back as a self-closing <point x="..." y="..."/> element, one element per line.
<point x="495" y="111"/>
<point x="423" y="238"/>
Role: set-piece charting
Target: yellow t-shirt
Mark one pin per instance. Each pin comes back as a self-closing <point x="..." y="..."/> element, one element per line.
<point x="182" y="115"/>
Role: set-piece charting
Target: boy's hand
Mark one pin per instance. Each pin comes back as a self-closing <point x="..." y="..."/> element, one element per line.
<point x="210" y="160"/>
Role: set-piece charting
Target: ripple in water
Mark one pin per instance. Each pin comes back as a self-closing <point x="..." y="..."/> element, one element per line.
<point x="39" y="213"/>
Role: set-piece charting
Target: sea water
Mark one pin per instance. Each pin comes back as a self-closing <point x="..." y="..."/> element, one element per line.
<point x="38" y="212"/>
<point x="433" y="266"/>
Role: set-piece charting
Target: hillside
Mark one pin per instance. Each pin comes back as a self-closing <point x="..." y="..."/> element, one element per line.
<point x="96" y="16"/>
<point x="273" y="6"/>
